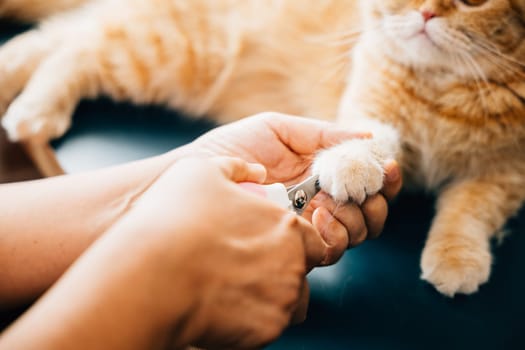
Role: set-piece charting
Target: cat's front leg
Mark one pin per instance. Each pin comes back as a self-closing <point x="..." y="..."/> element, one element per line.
<point x="33" y="10"/>
<point x="43" y="74"/>
<point x="98" y="49"/>
<point x="457" y="258"/>
<point x="354" y="169"/>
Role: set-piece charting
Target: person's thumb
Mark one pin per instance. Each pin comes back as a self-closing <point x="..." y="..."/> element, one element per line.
<point x="238" y="170"/>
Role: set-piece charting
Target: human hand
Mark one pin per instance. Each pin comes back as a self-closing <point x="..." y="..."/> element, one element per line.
<point x="196" y="259"/>
<point x="286" y="146"/>
<point x="242" y="260"/>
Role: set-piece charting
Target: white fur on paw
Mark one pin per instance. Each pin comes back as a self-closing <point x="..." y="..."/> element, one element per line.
<point x="25" y="123"/>
<point x="351" y="171"/>
<point x="455" y="269"/>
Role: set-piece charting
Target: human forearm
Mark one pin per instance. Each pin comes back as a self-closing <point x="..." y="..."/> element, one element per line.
<point x="45" y="225"/>
<point x="106" y="303"/>
<point x="161" y="278"/>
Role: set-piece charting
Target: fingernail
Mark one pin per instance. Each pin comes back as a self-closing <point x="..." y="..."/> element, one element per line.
<point x="393" y="174"/>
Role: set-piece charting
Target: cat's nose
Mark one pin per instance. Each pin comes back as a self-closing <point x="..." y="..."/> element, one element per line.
<point x="428" y="15"/>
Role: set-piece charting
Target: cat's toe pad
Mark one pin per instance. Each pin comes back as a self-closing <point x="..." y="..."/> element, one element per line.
<point x="350" y="171"/>
<point x="455" y="268"/>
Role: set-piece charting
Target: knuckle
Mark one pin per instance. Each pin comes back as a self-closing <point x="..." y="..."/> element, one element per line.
<point x="376" y="202"/>
<point x="376" y="208"/>
<point x="359" y="238"/>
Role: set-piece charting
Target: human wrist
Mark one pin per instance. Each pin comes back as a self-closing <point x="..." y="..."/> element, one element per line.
<point x="160" y="273"/>
<point x="118" y="304"/>
<point x="193" y="149"/>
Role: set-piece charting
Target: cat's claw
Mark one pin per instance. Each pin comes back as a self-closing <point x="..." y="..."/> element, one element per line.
<point x="350" y="171"/>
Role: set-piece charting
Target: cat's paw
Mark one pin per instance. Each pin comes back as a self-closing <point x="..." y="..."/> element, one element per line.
<point x="18" y="59"/>
<point x="23" y="122"/>
<point x="456" y="266"/>
<point x="41" y="83"/>
<point x="27" y="101"/>
<point x="351" y="171"/>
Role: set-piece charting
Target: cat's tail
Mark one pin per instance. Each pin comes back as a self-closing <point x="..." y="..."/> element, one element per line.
<point x="35" y="10"/>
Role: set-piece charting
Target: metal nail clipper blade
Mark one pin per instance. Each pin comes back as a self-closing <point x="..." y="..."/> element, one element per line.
<point x="295" y="198"/>
<point x="300" y="195"/>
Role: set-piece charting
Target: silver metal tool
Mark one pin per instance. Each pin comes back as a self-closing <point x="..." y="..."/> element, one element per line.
<point x="295" y="198"/>
<point x="300" y="195"/>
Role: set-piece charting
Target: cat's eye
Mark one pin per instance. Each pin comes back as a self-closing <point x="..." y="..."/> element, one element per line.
<point x="473" y="2"/>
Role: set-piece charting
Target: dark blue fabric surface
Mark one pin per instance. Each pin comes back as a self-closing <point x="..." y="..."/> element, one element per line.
<point x="372" y="299"/>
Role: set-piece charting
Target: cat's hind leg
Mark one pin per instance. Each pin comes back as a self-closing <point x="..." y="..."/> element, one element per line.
<point x="457" y="257"/>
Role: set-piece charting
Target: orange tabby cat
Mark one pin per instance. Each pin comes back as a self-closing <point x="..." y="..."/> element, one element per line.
<point x="439" y="82"/>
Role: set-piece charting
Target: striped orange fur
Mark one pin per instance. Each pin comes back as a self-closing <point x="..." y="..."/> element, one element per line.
<point x="441" y="83"/>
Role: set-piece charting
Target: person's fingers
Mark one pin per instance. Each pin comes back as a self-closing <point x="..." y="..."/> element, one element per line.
<point x="375" y="211"/>
<point x="333" y="232"/>
<point x="238" y="170"/>
<point x="315" y="248"/>
<point x="319" y="134"/>
<point x="349" y="215"/>
<point x="301" y="311"/>
<point x="393" y="180"/>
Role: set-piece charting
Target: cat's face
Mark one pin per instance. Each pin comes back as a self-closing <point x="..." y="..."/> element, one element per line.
<point x="463" y="34"/>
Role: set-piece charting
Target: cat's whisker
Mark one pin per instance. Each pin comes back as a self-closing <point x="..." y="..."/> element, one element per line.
<point x="456" y="41"/>
<point x="341" y="35"/>
<point x="345" y="56"/>
<point x="332" y="41"/>
<point x="476" y="66"/>
<point x="347" y="39"/>
<point x="488" y="46"/>
<point x="338" y="65"/>
<point x="397" y="20"/>
<point x="497" y="62"/>
<point x="501" y="55"/>
<point x="342" y="42"/>
<point x="335" y="35"/>
<point x="342" y="61"/>
<point x="476" y="76"/>
<point x="337" y="70"/>
<point x="459" y="42"/>
<point x="496" y="59"/>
